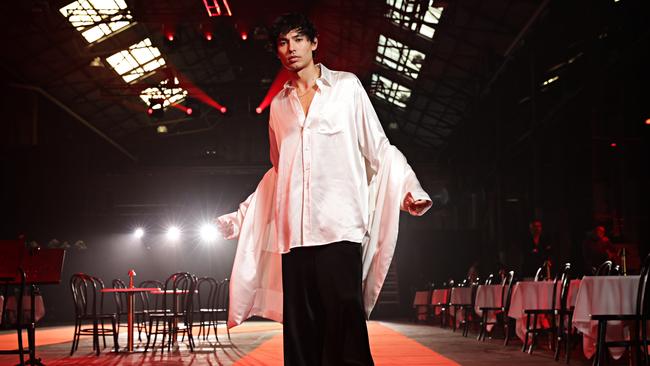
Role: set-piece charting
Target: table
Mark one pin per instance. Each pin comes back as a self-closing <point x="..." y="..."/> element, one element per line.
<point x="604" y="295"/>
<point x="460" y="296"/>
<point x="421" y="304"/>
<point x="131" y="308"/>
<point x="439" y="297"/>
<point x="536" y="295"/>
<point x="488" y="296"/>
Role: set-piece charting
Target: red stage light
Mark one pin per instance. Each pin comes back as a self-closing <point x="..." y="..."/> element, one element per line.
<point x="150" y="111"/>
<point x="258" y="110"/>
<point x="647" y="121"/>
<point x="223" y="109"/>
<point x="170" y="37"/>
<point x="188" y="111"/>
<point x="244" y="36"/>
<point x="613" y="144"/>
<point x="208" y="36"/>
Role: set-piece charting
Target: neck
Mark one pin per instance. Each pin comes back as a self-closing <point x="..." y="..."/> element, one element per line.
<point x="305" y="78"/>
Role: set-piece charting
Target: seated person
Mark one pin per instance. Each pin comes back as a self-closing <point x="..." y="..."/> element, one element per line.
<point x="596" y="249"/>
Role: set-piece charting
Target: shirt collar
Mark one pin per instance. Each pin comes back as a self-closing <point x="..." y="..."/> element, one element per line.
<point x="324" y="79"/>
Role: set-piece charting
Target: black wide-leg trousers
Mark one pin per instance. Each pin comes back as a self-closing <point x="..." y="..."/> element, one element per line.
<point x="324" y="320"/>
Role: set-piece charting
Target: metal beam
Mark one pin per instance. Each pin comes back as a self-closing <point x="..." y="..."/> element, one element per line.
<point x="76" y="116"/>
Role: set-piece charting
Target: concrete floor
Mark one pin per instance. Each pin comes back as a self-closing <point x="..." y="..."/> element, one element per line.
<point x="465" y="351"/>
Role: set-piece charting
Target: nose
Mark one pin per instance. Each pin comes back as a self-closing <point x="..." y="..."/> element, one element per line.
<point x="292" y="46"/>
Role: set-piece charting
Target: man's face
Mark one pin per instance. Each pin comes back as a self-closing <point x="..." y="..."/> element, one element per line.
<point x="536" y="228"/>
<point x="600" y="231"/>
<point x="295" y="50"/>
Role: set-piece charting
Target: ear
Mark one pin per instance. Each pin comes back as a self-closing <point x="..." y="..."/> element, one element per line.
<point x="314" y="44"/>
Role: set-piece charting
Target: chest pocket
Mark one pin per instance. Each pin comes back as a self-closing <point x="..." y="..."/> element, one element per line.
<point x="327" y="126"/>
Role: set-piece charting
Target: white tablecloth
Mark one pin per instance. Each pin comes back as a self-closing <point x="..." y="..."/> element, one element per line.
<point x="39" y="312"/>
<point x="536" y="295"/>
<point x="487" y="296"/>
<point x="460" y="296"/>
<point x="439" y="297"/>
<point x="421" y="303"/>
<point x="604" y="295"/>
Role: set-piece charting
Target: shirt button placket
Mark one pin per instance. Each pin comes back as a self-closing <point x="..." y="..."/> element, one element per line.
<point x="306" y="179"/>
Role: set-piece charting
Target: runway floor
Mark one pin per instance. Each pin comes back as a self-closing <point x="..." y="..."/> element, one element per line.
<point x="260" y="343"/>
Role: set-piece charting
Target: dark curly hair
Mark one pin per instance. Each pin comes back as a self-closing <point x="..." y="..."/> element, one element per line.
<point x="285" y="23"/>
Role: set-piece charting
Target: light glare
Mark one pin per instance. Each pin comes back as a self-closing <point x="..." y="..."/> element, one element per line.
<point x="209" y="233"/>
<point x="173" y="233"/>
<point x="138" y="233"/>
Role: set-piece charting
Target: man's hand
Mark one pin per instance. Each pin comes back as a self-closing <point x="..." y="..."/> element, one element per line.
<point x="415" y="207"/>
<point x="226" y="228"/>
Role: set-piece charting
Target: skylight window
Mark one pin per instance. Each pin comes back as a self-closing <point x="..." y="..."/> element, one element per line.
<point x="414" y="15"/>
<point x="390" y="91"/>
<point x="167" y="92"/>
<point x="97" y="19"/>
<point x="138" y="61"/>
<point x="399" y="57"/>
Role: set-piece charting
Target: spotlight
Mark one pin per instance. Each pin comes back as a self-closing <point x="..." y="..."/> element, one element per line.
<point x="138" y="233"/>
<point x="223" y="109"/>
<point x="188" y="111"/>
<point x="258" y="110"/>
<point x="208" y="36"/>
<point x="244" y="36"/>
<point x="613" y="144"/>
<point x="170" y="37"/>
<point x="173" y="233"/>
<point x="647" y="121"/>
<point x="209" y="233"/>
<point x="161" y="129"/>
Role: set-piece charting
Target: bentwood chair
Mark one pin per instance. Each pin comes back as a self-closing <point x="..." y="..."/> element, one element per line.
<point x="121" y="304"/>
<point x="564" y="317"/>
<point x="205" y="311"/>
<point x="175" y="315"/>
<point x="500" y="312"/>
<point x="443" y="305"/>
<point x="222" y="305"/>
<point x="146" y="304"/>
<point x="89" y="307"/>
<point x="638" y="342"/>
<point x="532" y="327"/>
<point x="604" y="269"/>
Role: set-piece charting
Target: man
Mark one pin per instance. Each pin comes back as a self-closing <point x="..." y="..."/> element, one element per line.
<point x="597" y="248"/>
<point x="323" y="132"/>
<point x="537" y="249"/>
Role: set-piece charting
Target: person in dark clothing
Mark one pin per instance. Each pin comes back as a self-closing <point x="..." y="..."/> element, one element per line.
<point x="596" y="249"/>
<point x="537" y="250"/>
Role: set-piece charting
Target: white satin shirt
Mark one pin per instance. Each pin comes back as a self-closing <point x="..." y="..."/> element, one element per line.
<point x="320" y="160"/>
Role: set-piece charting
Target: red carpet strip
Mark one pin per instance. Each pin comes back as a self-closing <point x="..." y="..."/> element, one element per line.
<point x="388" y="347"/>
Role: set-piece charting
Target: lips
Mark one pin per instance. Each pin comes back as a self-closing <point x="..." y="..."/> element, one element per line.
<point x="293" y="58"/>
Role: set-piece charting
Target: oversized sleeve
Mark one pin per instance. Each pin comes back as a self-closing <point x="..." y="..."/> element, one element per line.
<point x="373" y="141"/>
<point x="273" y="142"/>
<point x="236" y="218"/>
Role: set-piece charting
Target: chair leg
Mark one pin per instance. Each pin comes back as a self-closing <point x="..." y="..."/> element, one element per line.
<point x="96" y="335"/>
<point x="506" y="329"/>
<point x="523" y="348"/>
<point x="116" y="344"/>
<point x="642" y="350"/>
<point x="21" y="356"/>
<point x="569" y="336"/>
<point x="600" y="344"/>
<point x="74" y="337"/>
<point x="533" y="335"/>
<point x="559" y="337"/>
